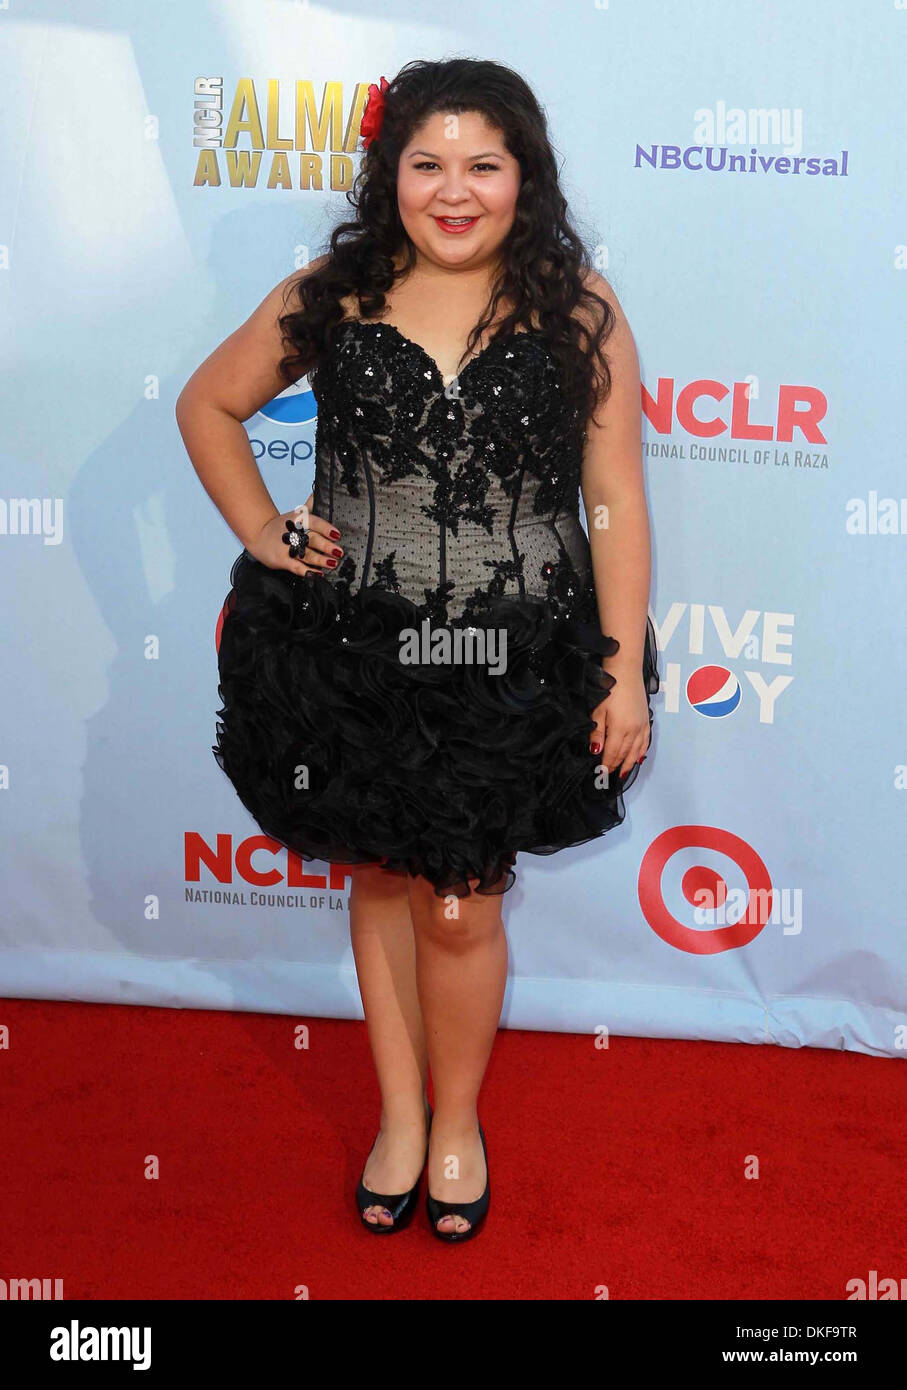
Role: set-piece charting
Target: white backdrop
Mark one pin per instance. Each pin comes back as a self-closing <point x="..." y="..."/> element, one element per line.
<point x="738" y="169"/>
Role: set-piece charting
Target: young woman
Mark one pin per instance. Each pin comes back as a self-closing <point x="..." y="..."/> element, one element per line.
<point x="359" y="726"/>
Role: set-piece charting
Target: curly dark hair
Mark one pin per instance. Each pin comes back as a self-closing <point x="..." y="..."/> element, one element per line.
<point x="544" y="262"/>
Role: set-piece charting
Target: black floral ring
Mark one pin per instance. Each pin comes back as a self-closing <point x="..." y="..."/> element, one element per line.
<point x="296" y="537"/>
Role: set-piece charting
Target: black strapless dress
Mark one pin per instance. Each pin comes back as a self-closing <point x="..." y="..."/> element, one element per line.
<point x="349" y="729"/>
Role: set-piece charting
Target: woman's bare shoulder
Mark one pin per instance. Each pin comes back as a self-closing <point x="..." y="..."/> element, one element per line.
<point x="588" y="309"/>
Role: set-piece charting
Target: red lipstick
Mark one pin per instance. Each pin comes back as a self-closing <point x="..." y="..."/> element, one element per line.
<point x="455" y="226"/>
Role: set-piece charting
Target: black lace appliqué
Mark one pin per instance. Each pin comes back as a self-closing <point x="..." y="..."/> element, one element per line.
<point x="569" y="592"/>
<point x="384" y="576"/>
<point x="466" y="488"/>
<point x="505" y="571"/>
<point x="435" y="607"/>
<point x="345" y="572"/>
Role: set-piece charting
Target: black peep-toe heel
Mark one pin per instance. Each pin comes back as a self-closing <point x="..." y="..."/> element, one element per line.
<point x="401" y="1205"/>
<point x="473" y="1212"/>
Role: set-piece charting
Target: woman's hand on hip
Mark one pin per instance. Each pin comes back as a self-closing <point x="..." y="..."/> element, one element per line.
<point x="323" y="552"/>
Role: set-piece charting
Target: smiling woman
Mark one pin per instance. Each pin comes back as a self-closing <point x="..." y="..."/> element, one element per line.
<point x="454" y="337"/>
<point x="460" y="185"/>
<point x="457" y="190"/>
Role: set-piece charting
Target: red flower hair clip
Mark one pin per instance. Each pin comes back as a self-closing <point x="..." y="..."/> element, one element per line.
<point x="373" y="115"/>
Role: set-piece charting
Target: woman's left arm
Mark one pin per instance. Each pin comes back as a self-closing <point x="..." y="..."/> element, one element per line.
<point x="618" y="522"/>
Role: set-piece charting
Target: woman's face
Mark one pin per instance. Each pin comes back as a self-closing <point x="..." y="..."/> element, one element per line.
<point x="457" y="167"/>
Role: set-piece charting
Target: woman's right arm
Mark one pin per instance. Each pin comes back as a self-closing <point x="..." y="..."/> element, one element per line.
<point x="236" y="380"/>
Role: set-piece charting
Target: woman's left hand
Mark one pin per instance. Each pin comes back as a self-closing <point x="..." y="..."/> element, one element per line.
<point x="622" y="727"/>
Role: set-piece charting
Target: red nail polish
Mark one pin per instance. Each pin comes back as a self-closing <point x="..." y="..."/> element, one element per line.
<point x="336" y="552"/>
<point x="596" y="748"/>
<point x="335" y="535"/>
<point x="331" y="564"/>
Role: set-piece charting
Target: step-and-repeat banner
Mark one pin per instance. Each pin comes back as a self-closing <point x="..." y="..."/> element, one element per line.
<point x="738" y="171"/>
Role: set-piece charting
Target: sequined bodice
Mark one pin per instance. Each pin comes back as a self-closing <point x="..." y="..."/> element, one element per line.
<point x="450" y="494"/>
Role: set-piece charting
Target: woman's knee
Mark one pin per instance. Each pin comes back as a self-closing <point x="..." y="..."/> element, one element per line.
<point x="457" y="924"/>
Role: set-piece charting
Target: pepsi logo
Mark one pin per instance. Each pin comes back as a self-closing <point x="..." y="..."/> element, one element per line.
<point x="294" y="406"/>
<point x="713" y="691"/>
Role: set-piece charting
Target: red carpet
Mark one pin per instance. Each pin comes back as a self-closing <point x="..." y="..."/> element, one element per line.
<point x="623" y="1167"/>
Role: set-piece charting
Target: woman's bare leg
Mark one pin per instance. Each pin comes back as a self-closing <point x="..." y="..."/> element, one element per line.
<point x="461" y="969"/>
<point x="381" y="933"/>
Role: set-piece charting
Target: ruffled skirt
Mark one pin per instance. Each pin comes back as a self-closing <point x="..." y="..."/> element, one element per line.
<point x="345" y="753"/>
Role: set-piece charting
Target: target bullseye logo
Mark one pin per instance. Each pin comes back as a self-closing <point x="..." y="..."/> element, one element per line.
<point x="713" y="691"/>
<point x="703" y="941"/>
